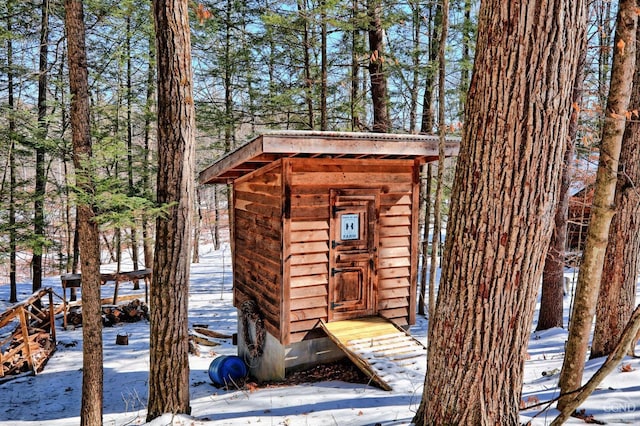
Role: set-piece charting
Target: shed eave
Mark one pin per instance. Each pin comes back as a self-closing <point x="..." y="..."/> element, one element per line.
<point x="270" y="147"/>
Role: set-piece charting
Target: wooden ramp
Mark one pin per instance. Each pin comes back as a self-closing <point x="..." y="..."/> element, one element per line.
<point x="381" y="350"/>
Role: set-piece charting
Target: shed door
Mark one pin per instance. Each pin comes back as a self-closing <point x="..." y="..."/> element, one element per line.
<point x="353" y="253"/>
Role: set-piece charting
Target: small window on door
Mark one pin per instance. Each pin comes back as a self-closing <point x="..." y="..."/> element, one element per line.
<point x="350" y="227"/>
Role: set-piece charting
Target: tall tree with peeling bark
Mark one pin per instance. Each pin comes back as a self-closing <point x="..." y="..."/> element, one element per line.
<point x="504" y="193"/>
<point x="622" y="259"/>
<point x="169" y="344"/>
<point x="88" y="233"/>
<point x="603" y="206"/>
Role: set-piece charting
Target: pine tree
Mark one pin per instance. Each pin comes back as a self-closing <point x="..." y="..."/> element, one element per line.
<point x="92" y="382"/>
<point x="169" y="345"/>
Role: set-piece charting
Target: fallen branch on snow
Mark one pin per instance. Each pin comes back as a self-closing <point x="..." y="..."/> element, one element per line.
<point x="622" y="348"/>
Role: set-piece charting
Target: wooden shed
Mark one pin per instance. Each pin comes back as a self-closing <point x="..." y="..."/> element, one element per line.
<point x="324" y="228"/>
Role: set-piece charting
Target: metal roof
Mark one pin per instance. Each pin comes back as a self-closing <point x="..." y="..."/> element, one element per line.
<point x="269" y="147"/>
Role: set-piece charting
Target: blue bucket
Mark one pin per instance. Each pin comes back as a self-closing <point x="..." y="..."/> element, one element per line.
<point x="227" y="368"/>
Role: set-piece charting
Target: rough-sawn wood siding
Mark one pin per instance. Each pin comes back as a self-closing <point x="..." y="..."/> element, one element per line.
<point x="308" y="253"/>
<point x="258" y="243"/>
<point x="282" y="238"/>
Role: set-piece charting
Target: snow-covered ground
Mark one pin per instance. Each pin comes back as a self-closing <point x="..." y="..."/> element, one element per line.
<point x="53" y="396"/>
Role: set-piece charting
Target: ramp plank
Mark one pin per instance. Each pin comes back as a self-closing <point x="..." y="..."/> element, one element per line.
<point x="378" y="347"/>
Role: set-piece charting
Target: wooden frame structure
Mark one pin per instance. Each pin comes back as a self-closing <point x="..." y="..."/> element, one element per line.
<point x="325" y="227"/>
<point x="74" y="281"/>
<point x="35" y="323"/>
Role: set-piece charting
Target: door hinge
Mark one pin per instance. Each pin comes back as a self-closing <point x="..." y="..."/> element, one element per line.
<point x="336" y="305"/>
<point x="335" y="271"/>
<point x="335" y="209"/>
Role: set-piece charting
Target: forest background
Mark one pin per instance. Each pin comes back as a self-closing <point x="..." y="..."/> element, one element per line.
<point x="257" y="66"/>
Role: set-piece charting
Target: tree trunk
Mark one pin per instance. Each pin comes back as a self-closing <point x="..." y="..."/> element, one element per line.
<point x="603" y="207"/>
<point x="552" y="293"/>
<point x="552" y="297"/>
<point x="89" y="243"/>
<point x="605" y="29"/>
<point x="437" y="199"/>
<point x="229" y="122"/>
<point x="622" y="259"/>
<point x="216" y="226"/>
<point x="13" y="297"/>
<point x="130" y="165"/>
<point x="376" y="72"/>
<point x="467" y="60"/>
<point x="426" y="127"/>
<point x="41" y="176"/>
<point x="306" y="46"/>
<point x="324" y="120"/>
<point x="75" y="263"/>
<point x="416" y="54"/>
<point x="420" y="418"/>
<point x="169" y="342"/>
<point x="110" y="247"/>
<point x="435" y="22"/>
<point x="69" y="227"/>
<point x="356" y="122"/>
<point x="13" y="235"/>
<point x="425" y="242"/>
<point x="197" y="226"/>
<point x="504" y="193"/>
<point x="117" y="245"/>
<point x="147" y="230"/>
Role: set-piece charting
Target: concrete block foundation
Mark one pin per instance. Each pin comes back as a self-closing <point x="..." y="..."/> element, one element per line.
<point x="278" y="360"/>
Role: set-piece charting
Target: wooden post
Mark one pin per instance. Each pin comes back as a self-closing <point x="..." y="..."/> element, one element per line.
<point x="64" y="305"/>
<point x="115" y="290"/>
<point x="147" y="280"/>
<point x="25" y="337"/>
<point x="1" y="364"/>
<point x="52" y="324"/>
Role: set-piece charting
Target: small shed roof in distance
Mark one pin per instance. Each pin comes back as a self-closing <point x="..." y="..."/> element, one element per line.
<point x="269" y="147"/>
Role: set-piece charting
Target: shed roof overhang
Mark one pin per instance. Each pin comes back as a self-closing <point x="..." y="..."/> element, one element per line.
<point x="270" y="147"/>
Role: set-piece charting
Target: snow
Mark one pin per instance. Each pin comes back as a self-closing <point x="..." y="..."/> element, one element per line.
<point x="401" y="362"/>
<point x="53" y="396"/>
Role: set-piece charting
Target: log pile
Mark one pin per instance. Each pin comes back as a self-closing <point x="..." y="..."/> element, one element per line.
<point x="132" y="311"/>
<point x="29" y="339"/>
<point x="15" y="360"/>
